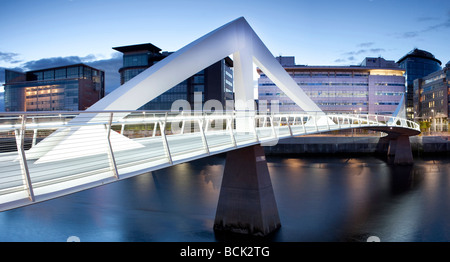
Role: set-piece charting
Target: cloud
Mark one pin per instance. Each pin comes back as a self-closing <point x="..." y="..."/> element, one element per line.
<point x="340" y="60"/>
<point x="361" y="51"/>
<point x="367" y="44"/>
<point x="411" y="34"/>
<point x="376" y="50"/>
<point x="427" y="18"/>
<point x="358" y="54"/>
<point x="51" y="62"/>
<point x="436" y="26"/>
<point x="9" y="57"/>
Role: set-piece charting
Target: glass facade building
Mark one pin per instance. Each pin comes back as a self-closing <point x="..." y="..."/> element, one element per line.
<point x="375" y="87"/>
<point x="68" y="88"/>
<point x="214" y="82"/>
<point x="432" y="98"/>
<point x="417" y="63"/>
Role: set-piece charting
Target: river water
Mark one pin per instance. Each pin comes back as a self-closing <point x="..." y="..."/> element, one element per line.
<point x="319" y="198"/>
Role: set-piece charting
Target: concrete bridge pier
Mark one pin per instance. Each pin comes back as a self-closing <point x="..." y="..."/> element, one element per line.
<point x="400" y="148"/>
<point x="246" y="202"/>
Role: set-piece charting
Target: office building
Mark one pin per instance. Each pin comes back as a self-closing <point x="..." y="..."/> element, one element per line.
<point x="214" y="82"/>
<point x="66" y="88"/>
<point x="376" y="86"/>
<point x="417" y="63"/>
<point x="431" y="98"/>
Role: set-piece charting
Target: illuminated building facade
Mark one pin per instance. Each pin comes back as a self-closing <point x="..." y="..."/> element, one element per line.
<point x="432" y="97"/>
<point x="375" y="87"/>
<point x="417" y="63"/>
<point x="67" y="88"/>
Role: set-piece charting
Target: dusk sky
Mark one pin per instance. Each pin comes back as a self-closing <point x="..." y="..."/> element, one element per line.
<point x="44" y="33"/>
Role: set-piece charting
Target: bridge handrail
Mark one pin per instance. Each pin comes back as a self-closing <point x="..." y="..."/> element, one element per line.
<point x="153" y="116"/>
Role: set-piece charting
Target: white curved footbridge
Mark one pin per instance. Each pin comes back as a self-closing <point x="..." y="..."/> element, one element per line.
<point x="57" y="153"/>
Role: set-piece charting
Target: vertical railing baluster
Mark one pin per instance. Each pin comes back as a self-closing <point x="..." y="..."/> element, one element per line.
<point x="205" y="143"/>
<point x="303" y="124"/>
<point x="112" y="160"/>
<point x="315" y="122"/>
<point x="155" y="126"/>
<point x="162" y="127"/>
<point x="183" y="123"/>
<point x="20" y="140"/>
<point x="207" y="125"/>
<point x="254" y="128"/>
<point x="35" y="131"/>
<point x="230" y="126"/>
<point x="289" y="126"/>
<point x="273" y="127"/>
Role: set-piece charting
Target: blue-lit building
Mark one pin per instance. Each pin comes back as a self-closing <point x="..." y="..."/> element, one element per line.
<point x="67" y="88"/>
<point x="214" y="82"/>
<point x="432" y="98"/>
<point x="417" y="63"/>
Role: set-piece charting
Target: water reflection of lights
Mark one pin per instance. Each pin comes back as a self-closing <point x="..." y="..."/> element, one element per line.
<point x="318" y="199"/>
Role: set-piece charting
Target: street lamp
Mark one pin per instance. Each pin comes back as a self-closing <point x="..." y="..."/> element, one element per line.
<point x="433" y="120"/>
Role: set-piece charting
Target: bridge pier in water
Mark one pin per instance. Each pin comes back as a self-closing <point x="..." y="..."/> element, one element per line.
<point x="247" y="202"/>
<point x="399" y="149"/>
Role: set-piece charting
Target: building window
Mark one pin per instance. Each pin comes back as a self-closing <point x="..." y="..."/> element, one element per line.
<point x="135" y="60"/>
<point x="72" y="72"/>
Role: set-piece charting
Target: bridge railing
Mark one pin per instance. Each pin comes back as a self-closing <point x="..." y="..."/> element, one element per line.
<point x="46" y="152"/>
<point x="135" y="124"/>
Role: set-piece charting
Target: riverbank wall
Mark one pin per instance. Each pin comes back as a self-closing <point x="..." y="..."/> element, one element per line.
<point x="321" y="144"/>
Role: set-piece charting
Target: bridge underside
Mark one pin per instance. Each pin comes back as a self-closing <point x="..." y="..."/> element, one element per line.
<point x="399" y="145"/>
